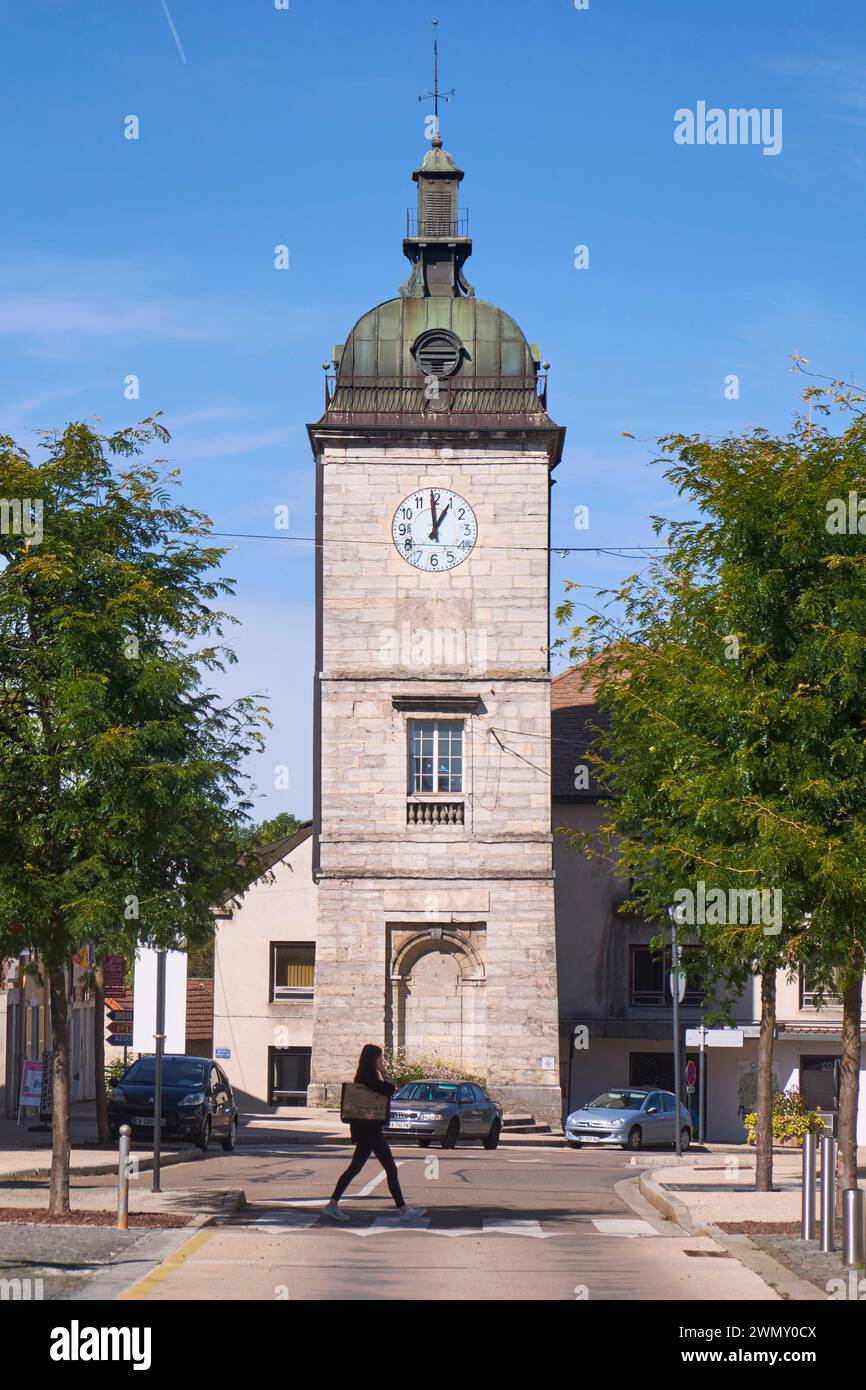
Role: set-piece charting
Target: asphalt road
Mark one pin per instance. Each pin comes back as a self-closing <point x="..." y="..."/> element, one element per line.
<point x="517" y="1223"/>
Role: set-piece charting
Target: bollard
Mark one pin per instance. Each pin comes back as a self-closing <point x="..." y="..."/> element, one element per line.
<point x="123" y="1179"/>
<point x="853" y="1232"/>
<point x="828" y="1193"/>
<point x="810" y="1176"/>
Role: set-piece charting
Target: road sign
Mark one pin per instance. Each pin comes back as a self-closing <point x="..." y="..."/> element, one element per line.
<point x="119" y="1039"/>
<point x="144" y="1023"/>
<point x="120" y="1015"/>
<point x="677" y="983"/>
<point x="223" y="1052"/>
<point x="691" y="1075"/>
<point x="715" y="1037"/>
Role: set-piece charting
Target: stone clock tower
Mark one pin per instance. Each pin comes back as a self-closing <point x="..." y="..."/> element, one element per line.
<point x="432" y="818"/>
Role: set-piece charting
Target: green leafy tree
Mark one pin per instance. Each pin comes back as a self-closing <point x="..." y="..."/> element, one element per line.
<point x="124" y="802"/>
<point x="268" y="832"/>
<point x="734" y="673"/>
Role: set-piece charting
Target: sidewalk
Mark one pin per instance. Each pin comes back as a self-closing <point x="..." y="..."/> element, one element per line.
<point x="714" y="1195"/>
<point x="25" y="1150"/>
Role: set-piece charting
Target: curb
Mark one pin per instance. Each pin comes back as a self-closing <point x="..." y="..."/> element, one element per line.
<point x="789" y="1286"/>
<point x="97" y="1170"/>
<point x="670" y="1207"/>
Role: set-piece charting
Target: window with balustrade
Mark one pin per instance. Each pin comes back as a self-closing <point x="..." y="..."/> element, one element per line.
<point x="435" y="771"/>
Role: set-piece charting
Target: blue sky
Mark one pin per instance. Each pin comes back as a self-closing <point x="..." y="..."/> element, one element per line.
<point x="260" y="126"/>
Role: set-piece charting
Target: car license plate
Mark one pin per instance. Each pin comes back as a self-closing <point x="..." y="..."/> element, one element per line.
<point x="589" y="1138"/>
<point x="147" y="1120"/>
<point x="400" y="1124"/>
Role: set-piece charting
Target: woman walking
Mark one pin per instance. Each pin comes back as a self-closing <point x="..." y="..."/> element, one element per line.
<point x="368" y="1139"/>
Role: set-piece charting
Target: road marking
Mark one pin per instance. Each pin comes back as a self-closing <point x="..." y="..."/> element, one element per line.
<point x="630" y="1229"/>
<point x="168" y="1266"/>
<point x="374" y="1182"/>
<point x="516" y="1228"/>
<point x="383" y="1225"/>
<point x="282" y="1222"/>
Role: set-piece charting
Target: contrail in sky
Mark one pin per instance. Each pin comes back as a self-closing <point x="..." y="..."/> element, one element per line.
<point x="174" y="32"/>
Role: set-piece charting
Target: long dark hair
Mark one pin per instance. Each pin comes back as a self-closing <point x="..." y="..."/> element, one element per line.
<point x="370" y="1054"/>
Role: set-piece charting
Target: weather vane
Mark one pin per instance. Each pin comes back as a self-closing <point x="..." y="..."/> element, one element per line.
<point x="436" y="94"/>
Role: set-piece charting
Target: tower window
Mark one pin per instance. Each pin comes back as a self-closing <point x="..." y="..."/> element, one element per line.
<point x="438" y="352"/>
<point x="435" y="756"/>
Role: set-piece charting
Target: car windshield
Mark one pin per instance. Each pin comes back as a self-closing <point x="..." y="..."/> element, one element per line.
<point x="618" y="1100"/>
<point x="428" y="1091"/>
<point x="176" y="1071"/>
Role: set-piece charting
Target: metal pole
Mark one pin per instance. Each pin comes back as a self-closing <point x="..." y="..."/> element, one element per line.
<point x="159" y="1037"/>
<point x="853" y="1232"/>
<point x="828" y="1193"/>
<point x="675" y="993"/>
<point x="810" y="1174"/>
<point x="702" y="1073"/>
<point x="123" y="1179"/>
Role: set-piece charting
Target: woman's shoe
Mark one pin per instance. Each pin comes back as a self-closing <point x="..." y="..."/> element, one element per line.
<point x="411" y="1213"/>
<point x="332" y="1209"/>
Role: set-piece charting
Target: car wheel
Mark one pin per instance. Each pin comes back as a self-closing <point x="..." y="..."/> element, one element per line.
<point x="685" y="1138"/>
<point x="635" y="1138"/>
<point x="231" y="1138"/>
<point x="491" y="1140"/>
<point x="449" y="1138"/>
<point x="573" y="1144"/>
<point x="424" y="1143"/>
<point x="203" y="1140"/>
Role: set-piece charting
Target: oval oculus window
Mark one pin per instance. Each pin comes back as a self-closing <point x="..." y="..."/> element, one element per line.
<point x="438" y="352"/>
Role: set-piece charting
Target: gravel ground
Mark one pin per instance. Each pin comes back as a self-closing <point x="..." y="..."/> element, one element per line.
<point x="803" y="1257"/>
<point x="58" y="1259"/>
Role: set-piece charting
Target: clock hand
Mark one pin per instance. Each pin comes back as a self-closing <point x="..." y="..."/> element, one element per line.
<point x="434" y="534"/>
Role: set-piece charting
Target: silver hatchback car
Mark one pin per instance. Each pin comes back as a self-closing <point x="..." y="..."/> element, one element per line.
<point x="446" y="1111"/>
<point x="630" y="1118"/>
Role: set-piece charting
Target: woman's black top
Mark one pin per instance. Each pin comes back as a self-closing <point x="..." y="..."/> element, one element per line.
<point x="363" y="1129"/>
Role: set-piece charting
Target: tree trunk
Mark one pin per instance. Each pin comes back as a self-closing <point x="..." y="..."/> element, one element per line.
<point x="849" y="1081"/>
<point x="58" y="985"/>
<point x="102" y="1132"/>
<point x="764" y="1131"/>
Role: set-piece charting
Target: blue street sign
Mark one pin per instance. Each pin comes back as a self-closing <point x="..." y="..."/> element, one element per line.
<point x="223" y="1052"/>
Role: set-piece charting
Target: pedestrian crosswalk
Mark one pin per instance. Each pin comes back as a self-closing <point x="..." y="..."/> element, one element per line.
<point x="290" y="1216"/>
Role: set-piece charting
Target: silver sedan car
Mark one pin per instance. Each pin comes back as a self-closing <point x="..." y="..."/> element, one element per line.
<point x="630" y="1118"/>
<point x="446" y="1111"/>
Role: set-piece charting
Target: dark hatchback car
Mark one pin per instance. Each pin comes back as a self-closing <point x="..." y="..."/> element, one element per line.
<point x="197" y="1101"/>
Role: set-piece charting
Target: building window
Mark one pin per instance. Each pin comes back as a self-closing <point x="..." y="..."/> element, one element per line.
<point x="435" y="756"/>
<point x="811" y="996"/>
<point x="819" y="1082"/>
<point x="288" y="1075"/>
<point x="649" y="985"/>
<point x="292" y="969"/>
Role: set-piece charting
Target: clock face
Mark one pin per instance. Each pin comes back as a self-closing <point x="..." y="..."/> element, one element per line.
<point x="434" y="529"/>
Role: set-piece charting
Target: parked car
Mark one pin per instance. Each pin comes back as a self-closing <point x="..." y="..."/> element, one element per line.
<point x="197" y="1101"/>
<point x="631" y="1118"/>
<point x="444" y="1110"/>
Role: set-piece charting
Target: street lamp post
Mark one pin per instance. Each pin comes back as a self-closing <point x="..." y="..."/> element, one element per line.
<point x="675" y="996"/>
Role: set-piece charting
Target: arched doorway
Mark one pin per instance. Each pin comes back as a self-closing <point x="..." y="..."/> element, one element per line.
<point x="437" y="1000"/>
